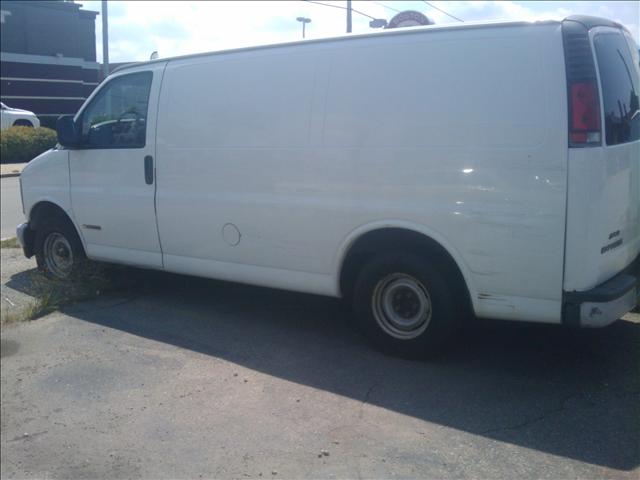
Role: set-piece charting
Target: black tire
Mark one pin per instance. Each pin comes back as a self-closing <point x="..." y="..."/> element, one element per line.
<point x="22" y="123"/>
<point x="385" y="283"/>
<point x="61" y="231"/>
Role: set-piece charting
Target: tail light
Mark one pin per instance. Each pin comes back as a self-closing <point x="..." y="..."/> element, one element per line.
<point x="585" y="113"/>
<point x="582" y="87"/>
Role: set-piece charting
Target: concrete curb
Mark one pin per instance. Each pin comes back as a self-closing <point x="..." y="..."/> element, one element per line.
<point x="12" y="169"/>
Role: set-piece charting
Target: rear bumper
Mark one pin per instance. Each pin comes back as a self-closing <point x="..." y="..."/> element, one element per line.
<point x="605" y="303"/>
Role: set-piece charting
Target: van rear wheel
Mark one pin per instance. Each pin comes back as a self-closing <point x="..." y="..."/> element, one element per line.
<point x="59" y="252"/>
<point x="405" y="305"/>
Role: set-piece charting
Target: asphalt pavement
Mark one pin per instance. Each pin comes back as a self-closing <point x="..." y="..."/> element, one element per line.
<point x="10" y="206"/>
<point x="178" y="377"/>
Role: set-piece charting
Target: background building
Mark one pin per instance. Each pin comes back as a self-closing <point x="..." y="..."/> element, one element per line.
<point x="48" y="57"/>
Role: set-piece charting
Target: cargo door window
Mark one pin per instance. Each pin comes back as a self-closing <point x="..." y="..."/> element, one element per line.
<point x="620" y="82"/>
<point x="117" y="116"/>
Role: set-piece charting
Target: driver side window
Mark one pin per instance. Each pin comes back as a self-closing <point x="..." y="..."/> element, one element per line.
<point x="117" y="116"/>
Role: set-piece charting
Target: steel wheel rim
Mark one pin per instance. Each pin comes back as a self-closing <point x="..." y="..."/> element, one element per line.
<point x="401" y="306"/>
<point x="58" y="255"/>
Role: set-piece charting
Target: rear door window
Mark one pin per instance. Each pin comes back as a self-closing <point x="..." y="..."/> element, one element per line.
<point x="620" y="81"/>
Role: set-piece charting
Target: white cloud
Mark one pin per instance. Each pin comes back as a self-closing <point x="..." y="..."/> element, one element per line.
<point x="137" y="28"/>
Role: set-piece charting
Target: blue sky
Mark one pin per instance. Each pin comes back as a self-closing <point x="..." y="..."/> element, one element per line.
<point x="137" y="28"/>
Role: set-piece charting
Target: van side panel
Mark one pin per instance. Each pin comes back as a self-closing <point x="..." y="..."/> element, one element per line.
<point x="465" y="134"/>
<point x="234" y="132"/>
<point x="460" y="132"/>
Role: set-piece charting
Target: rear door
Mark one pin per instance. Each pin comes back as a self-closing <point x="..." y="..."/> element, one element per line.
<point x="603" y="210"/>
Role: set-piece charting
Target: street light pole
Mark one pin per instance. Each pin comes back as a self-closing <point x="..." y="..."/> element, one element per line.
<point x="105" y="39"/>
<point x="348" y="16"/>
<point x="304" y="22"/>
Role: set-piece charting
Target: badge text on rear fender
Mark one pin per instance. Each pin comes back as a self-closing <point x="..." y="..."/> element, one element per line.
<point x="611" y="246"/>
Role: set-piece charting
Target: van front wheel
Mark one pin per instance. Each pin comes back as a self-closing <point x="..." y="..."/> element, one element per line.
<point x="59" y="251"/>
<point x="405" y="305"/>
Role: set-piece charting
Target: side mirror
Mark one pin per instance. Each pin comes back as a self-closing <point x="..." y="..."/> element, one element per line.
<point x="68" y="134"/>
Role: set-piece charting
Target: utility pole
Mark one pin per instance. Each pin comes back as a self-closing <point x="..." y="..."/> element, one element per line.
<point x="105" y="39"/>
<point x="348" y="16"/>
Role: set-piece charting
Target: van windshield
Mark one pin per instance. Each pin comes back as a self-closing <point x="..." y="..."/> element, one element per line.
<point x="620" y="88"/>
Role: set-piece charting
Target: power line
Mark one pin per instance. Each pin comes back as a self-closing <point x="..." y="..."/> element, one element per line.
<point x="385" y="6"/>
<point x="340" y="7"/>
<point x="446" y="13"/>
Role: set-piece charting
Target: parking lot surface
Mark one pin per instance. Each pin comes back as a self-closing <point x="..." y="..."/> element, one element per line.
<point x="190" y="378"/>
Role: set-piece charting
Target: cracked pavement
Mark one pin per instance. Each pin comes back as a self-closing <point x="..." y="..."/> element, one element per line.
<point x="190" y="378"/>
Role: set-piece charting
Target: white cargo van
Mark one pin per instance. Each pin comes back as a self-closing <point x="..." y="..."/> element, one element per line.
<point x="424" y="173"/>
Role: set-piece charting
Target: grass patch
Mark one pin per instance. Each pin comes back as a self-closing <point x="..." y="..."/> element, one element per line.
<point x="51" y="295"/>
<point x="9" y="316"/>
<point x="10" y="243"/>
<point x="36" y="309"/>
<point x="94" y="280"/>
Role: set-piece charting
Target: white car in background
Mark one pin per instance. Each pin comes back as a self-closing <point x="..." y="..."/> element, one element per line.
<point x="17" y="117"/>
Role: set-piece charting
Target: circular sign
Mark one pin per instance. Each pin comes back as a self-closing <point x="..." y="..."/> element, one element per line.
<point x="409" y="18"/>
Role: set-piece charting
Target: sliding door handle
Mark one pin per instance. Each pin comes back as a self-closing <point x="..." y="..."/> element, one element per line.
<point x="148" y="169"/>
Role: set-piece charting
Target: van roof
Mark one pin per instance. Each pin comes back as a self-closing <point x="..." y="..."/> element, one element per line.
<point x="588" y="21"/>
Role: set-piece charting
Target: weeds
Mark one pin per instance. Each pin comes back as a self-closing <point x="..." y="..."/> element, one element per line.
<point x="50" y="295"/>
